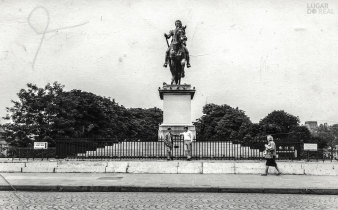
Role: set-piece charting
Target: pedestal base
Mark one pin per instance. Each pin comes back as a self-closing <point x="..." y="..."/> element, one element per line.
<point x="176" y="109"/>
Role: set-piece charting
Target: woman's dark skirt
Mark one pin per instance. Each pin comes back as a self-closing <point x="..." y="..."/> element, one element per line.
<point x="271" y="162"/>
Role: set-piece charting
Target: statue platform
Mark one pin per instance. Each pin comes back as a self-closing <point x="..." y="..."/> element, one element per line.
<point x="176" y="108"/>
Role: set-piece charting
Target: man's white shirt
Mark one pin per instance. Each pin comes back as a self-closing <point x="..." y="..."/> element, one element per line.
<point x="188" y="136"/>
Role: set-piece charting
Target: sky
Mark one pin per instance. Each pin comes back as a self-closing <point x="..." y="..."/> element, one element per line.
<point x="256" y="55"/>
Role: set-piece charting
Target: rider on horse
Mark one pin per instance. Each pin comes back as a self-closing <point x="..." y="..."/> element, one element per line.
<point x="173" y="34"/>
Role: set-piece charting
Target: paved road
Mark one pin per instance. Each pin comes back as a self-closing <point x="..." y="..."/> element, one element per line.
<point x="116" y="200"/>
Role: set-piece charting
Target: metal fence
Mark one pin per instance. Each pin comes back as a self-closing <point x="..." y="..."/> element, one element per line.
<point x="137" y="149"/>
<point x="27" y="152"/>
<point x="320" y="155"/>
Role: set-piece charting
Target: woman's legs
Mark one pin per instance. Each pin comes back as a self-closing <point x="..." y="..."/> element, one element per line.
<point x="266" y="171"/>
<point x="277" y="169"/>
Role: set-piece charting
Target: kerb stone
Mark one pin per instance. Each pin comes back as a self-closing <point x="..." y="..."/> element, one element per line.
<point x="249" y="168"/>
<point x="291" y="168"/>
<point x="218" y="168"/>
<point x="159" y="167"/>
<point x="117" y="167"/>
<point x="323" y="169"/>
<point x="11" y="167"/>
<point x="81" y="167"/>
<point x="190" y="167"/>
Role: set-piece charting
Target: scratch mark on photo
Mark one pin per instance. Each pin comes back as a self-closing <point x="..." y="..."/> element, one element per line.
<point x="44" y="31"/>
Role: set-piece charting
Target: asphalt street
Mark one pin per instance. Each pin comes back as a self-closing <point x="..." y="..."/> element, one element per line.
<point x="142" y="200"/>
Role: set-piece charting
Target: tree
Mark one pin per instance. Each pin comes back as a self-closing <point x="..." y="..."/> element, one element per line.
<point x="285" y="127"/>
<point x="84" y="114"/>
<point x="300" y="133"/>
<point x="327" y="135"/>
<point x="30" y="115"/>
<point x="255" y="133"/>
<point x="45" y="114"/>
<point x="222" y="122"/>
<point x="145" y="122"/>
<point x="334" y="130"/>
<point x="279" y="122"/>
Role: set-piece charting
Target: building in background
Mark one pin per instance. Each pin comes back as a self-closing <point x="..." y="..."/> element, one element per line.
<point x="312" y="126"/>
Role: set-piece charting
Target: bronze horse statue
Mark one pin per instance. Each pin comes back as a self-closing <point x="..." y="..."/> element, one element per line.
<point x="177" y="57"/>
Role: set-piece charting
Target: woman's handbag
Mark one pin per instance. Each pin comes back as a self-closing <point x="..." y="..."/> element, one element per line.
<point x="267" y="154"/>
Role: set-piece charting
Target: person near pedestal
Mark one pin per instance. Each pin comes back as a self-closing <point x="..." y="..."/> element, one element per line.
<point x="188" y="139"/>
<point x="168" y="142"/>
<point x="270" y="155"/>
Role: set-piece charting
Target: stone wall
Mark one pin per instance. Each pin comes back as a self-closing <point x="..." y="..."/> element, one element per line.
<point x="169" y="167"/>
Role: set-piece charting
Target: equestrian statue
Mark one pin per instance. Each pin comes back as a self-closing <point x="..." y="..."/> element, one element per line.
<point x="177" y="55"/>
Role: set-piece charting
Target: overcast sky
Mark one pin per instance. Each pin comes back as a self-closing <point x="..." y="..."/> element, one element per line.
<point x="259" y="56"/>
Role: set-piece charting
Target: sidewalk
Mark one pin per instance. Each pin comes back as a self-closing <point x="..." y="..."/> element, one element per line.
<point x="122" y="182"/>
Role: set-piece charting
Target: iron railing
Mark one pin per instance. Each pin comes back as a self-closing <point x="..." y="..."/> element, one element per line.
<point x="28" y="152"/>
<point x="147" y="149"/>
<point x="138" y="149"/>
<point x="320" y="155"/>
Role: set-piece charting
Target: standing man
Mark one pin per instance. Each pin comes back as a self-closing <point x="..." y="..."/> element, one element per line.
<point x="188" y="138"/>
<point x="168" y="141"/>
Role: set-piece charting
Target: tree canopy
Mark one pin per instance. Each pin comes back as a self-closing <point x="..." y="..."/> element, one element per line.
<point x="222" y="122"/>
<point x="279" y="122"/>
<point x="283" y="125"/>
<point x="227" y="123"/>
<point x="47" y="113"/>
<point x="326" y="135"/>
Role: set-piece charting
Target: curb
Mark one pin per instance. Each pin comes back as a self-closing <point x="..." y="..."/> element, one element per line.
<point x="58" y="188"/>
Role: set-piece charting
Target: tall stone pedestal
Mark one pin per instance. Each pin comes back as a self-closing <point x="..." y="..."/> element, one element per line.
<point x="176" y="108"/>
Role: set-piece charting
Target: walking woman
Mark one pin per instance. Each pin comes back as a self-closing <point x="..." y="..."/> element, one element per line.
<point x="270" y="155"/>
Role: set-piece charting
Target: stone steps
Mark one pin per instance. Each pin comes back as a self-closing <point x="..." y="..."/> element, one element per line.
<point x="157" y="149"/>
